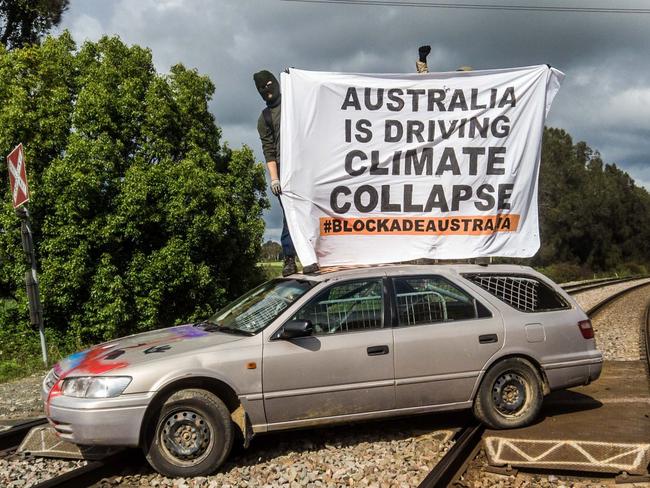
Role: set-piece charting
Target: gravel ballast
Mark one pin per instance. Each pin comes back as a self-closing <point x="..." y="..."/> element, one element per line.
<point x="21" y="399"/>
<point x="618" y="327"/>
<point x="17" y="471"/>
<point x="589" y="298"/>
<point x="395" y="453"/>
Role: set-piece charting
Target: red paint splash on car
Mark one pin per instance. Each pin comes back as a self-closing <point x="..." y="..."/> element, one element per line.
<point x="94" y="361"/>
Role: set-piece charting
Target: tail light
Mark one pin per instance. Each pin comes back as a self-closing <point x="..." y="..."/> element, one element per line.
<point x="586" y="329"/>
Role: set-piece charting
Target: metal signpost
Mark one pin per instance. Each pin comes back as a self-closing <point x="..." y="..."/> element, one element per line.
<point x="20" y="196"/>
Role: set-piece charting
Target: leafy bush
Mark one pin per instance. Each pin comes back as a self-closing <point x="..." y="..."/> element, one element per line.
<point x="564" y="272"/>
<point x="141" y="217"/>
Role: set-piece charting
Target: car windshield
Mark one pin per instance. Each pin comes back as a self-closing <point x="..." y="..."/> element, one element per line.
<point x="256" y="309"/>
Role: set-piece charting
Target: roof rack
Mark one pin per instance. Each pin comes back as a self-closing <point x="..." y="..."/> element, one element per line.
<point x="481" y="261"/>
<point x="334" y="269"/>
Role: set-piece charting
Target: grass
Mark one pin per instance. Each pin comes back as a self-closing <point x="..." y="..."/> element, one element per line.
<point x="13" y="369"/>
<point x="20" y="352"/>
<point x="20" y="357"/>
<point x="273" y="269"/>
<point x="565" y="272"/>
<point x="20" y="347"/>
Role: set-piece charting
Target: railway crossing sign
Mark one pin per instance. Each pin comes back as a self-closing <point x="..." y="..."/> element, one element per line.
<point x="20" y="196"/>
<point x="18" y="176"/>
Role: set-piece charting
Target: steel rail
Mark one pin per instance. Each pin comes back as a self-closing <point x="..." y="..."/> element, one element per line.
<point x="578" y="284"/>
<point x="456" y="459"/>
<point x="83" y="476"/>
<point x="88" y="474"/>
<point x="596" y="308"/>
<point x="598" y="284"/>
<point x="647" y="338"/>
<point x="12" y="437"/>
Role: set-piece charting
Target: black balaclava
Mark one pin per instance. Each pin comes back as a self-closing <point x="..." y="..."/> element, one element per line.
<point x="273" y="89"/>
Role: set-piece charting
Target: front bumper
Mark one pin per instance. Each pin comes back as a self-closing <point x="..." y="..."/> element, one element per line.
<point x="105" y="422"/>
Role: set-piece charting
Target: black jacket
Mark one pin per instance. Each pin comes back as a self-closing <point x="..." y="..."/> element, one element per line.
<point x="270" y="138"/>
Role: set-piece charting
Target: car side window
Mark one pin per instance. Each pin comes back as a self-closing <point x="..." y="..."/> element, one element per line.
<point x="426" y="300"/>
<point x="522" y="292"/>
<point x="346" y="307"/>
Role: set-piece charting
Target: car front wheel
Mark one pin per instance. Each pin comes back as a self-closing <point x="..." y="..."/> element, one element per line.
<point x="510" y="395"/>
<point x="193" y="435"/>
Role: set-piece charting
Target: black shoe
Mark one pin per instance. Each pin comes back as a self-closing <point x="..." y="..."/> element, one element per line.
<point x="310" y="268"/>
<point x="289" y="266"/>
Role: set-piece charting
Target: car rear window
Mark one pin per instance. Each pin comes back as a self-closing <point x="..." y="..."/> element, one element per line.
<point x="522" y="292"/>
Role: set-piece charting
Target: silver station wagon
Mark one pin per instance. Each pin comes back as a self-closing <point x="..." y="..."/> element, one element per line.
<point x="341" y="346"/>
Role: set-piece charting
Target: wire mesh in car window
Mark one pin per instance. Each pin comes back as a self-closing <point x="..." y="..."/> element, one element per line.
<point x="263" y="312"/>
<point x="431" y="299"/>
<point x="525" y="293"/>
<point x="259" y="307"/>
<point x="346" y="307"/>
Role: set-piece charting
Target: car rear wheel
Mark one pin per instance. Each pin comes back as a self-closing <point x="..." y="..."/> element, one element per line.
<point x="510" y="395"/>
<point x="193" y="435"/>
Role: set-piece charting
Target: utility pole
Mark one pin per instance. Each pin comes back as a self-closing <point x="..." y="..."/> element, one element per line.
<point x="31" y="278"/>
<point x="20" y="196"/>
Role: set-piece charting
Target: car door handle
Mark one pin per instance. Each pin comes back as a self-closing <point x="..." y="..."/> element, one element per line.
<point x="377" y="350"/>
<point x="488" y="338"/>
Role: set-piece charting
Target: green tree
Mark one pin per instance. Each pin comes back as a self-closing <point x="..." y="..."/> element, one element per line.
<point x="26" y="21"/>
<point x="591" y="213"/>
<point x="271" y="251"/>
<point x="142" y="217"/>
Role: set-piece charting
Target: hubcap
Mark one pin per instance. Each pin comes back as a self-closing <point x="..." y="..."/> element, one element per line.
<point x="509" y="393"/>
<point x="186" y="437"/>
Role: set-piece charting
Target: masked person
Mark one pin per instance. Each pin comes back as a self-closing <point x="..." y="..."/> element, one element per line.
<point x="268" y="127"/>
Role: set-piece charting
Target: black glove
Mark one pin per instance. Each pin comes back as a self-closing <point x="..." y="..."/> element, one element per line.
<point x="424" y="51"/>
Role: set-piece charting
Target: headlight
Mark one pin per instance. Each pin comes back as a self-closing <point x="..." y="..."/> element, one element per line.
<point x="95" y="386"/>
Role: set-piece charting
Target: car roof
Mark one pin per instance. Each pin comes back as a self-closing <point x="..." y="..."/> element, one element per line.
<point x="341" y="272"/>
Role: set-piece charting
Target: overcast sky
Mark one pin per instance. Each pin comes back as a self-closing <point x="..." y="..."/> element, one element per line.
<point x="604" y="100"/>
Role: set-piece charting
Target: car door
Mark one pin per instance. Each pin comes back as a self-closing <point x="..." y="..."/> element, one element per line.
<point x="344" y="367"/>
<point x="443" y="338"/>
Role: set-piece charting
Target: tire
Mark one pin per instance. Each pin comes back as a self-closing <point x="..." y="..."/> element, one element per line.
<point x="192" y="435"/>
<point x="510" y="395"/>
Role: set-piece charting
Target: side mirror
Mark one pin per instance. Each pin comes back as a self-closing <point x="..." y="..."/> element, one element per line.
<point x="296" y="328"/>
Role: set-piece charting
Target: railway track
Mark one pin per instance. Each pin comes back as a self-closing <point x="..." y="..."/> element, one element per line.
<point x="466" y="443"/>
<point x="600" y="305"/>
<point x="468" y="439"/>
<point x="88" y="474"/>
<point x="454" y="463"/>
<point x="11" y="438"/>
<point x="646" y="337"/>
<point x="599" y="283"/>
<point x="83" y="476"/>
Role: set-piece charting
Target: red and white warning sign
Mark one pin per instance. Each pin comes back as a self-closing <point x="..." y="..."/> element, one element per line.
<point x="18" y="176"/>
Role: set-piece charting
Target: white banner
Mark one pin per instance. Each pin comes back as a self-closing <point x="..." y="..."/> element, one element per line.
<point x="394" y="167"/>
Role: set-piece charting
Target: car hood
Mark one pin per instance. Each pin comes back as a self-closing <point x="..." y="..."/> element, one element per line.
<point x="138" y="348"/>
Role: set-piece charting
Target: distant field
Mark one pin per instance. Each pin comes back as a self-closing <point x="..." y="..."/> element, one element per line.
<point x="273" y="269"/>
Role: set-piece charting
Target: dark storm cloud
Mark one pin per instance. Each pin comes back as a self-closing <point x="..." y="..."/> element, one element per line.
<point x="605" y="99"/>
